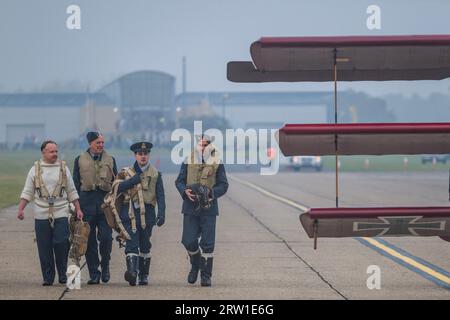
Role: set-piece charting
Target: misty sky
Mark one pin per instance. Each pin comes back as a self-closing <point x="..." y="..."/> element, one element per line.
<point x="118" y="37"/>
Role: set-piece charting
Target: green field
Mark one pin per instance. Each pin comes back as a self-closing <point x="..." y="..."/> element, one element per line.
<point x="15" y="165"/>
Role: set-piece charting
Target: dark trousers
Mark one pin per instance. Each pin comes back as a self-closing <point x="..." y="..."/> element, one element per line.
<point x="53" y="245"/>
<point x="140" y="240"/>
<point x="197" y="227"/>
<point x="101" y="232"/>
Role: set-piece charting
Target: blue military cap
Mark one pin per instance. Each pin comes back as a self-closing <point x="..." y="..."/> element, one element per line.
<point x="141" y="146"/>
<point x="92" y="135"/>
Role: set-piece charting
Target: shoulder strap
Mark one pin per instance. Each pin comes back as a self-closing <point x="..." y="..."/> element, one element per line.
<point x="37" y="175"/>
<point x="130" y="172"/>
<point x="37" y="178"/>
<point x="62" y="181"/>
<point x="39" y="182"/>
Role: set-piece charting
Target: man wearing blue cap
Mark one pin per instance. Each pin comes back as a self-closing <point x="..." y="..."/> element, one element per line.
<point x="143" y="190"/>
<point x="93" y="174"/>
<point x="201" y="181"/>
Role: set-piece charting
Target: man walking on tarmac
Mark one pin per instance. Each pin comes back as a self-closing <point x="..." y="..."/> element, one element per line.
<point x="50" y="185"/>
<point x="143" y="190"/>
<point x="201" y="181"/>
<point x="93" y="173"/>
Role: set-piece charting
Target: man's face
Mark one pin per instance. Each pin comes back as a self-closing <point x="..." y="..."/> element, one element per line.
<point x="97" y="145"/>
<point x="142" y="158"/>
<point x="202" y="144"/>
<point x="50" y="153"/>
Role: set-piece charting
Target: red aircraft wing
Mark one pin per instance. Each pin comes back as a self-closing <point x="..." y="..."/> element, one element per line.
<point x="377" y="222"/>
<point x="357" y="58"/>
<point x="360" y="58"/>
<point x="364" y="138"/>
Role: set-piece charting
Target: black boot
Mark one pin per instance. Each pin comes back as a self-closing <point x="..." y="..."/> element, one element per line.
<point x="131" y="273"/>
<point x="144" y="268"/>
<point x="206" y="265"/>
<point x="105" y="272"/>
<point x="95" y="279"/>
<point x="62" y="280"/>
<point x="195" y="267"/>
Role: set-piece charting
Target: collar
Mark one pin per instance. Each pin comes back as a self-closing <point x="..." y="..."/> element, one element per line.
<point x="46" y="164"/>
<point x="210" y="155"/>
<point x="99" y="157"/>
<point x="145" y="168"/>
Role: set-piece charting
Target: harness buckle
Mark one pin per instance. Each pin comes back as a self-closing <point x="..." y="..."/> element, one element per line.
<point x="51" y="201"/>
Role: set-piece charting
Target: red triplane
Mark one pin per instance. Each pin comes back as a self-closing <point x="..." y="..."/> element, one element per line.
<point x="357" y="58"/>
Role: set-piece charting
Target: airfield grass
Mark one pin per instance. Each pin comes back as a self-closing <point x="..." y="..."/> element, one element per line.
<point x="15" y="165"/>
<point x="14" y="168"/>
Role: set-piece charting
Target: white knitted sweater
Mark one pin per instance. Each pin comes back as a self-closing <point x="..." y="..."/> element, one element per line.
<point x="50" y="177"/>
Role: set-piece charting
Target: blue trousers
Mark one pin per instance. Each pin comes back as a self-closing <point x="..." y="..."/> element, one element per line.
<point x="101" y="232"/>
<point x="199" y="227"/>
<point x="140" y="240"/>
<point x="53" y="245"/>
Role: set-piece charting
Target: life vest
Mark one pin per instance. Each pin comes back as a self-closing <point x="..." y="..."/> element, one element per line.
<point x="203" y="173"/>
<point x="96" y="173"/>
<point x="141" y="194"/>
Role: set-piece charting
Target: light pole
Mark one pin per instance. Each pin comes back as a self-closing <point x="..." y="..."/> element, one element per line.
<point x="177" y="117"/>
<point x="224" y="98"/>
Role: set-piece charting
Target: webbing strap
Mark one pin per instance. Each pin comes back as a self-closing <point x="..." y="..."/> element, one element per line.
<point x="43" y="191"/>
<point x="115" y="188"/>
<point x="130" y="206"/>
<point x="141" y="205"/>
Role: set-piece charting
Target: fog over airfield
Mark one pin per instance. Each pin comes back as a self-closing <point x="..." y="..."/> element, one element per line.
<point x="118" y="37"/>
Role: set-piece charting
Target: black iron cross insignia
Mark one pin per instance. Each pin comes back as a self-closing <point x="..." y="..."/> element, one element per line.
<point x="394" y="226"/>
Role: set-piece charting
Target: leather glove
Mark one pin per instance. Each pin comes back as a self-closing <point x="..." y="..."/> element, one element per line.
<point x="160" y="221"/>
<point x="137" y="169"/>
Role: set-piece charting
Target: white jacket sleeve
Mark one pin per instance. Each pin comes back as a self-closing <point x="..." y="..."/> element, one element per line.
<point x="28" y="190"/>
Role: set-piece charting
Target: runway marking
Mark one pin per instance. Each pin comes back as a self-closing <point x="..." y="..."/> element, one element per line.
<point x="280" y="238"/>
<point x="420" y="266"/>
<point x="271" y="194"/>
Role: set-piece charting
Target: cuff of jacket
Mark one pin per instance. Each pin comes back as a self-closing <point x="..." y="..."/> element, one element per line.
<point x="27" y="196"/>
<point x="72" y="196"/>
<point x="183" y="194"/>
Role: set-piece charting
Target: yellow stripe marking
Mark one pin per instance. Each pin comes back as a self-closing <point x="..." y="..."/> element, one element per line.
<point x="408" y="260"/>
<point x="374" y="242"/>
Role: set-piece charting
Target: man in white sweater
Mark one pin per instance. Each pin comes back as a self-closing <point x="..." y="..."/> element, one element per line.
<point x="49" y="184"/>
